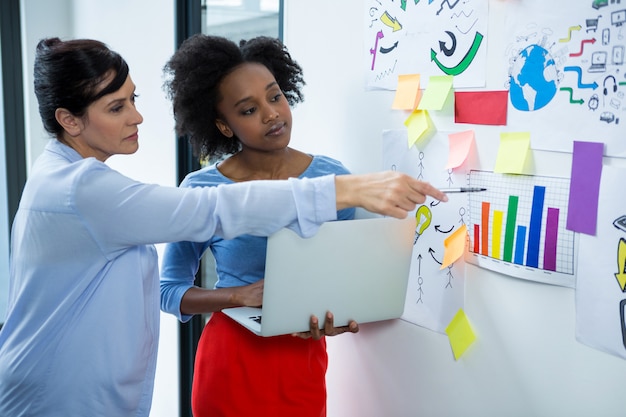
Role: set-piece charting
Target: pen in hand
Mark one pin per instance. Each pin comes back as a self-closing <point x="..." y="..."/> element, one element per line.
<point x="462" y="190"/>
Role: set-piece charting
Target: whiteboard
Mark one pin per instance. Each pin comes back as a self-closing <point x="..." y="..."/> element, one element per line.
<point x="526" y="360"/>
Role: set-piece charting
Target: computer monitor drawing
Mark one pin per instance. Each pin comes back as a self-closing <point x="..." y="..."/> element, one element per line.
<point x="618" y="18"/>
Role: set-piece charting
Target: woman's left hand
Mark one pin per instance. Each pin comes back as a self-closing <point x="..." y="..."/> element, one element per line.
<point x="329" y="328"/>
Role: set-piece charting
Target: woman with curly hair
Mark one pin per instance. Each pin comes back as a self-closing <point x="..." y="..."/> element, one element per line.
<point x="234" y="101"/>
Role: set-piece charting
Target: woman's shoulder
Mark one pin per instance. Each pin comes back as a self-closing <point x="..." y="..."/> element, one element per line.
<point x="208" y="176"/>
<point x="323" y="164"/>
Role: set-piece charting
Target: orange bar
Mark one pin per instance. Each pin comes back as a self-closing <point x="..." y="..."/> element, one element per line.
<point x="485" y="228"/>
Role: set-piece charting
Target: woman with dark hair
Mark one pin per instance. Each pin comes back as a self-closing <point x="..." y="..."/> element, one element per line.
<point x="80" y="336"/>
<point x="234" y="102"/>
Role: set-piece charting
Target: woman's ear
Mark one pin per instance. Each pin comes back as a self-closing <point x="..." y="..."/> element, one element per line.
<point x="223" y="127"/>
<point x="68" y="121"/>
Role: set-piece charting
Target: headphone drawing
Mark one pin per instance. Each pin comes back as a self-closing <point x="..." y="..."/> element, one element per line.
<point x="606" y="91"/>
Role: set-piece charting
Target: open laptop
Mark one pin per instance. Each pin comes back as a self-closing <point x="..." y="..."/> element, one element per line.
<point x="357" y="269"/>
<point x="598" y="61"/>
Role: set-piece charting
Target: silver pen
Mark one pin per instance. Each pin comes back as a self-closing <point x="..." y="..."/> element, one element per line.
<point x="463" y="190"/>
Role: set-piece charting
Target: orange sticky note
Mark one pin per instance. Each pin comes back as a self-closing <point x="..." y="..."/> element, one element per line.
<point x="460" y="334"/>
<point x="407" y="92"/>
<point x="454" y="246"/>
<point x="460" y="146"/>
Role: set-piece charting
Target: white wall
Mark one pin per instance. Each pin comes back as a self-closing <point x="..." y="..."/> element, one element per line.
<point x="526" y="361"/>
<point x="142" y="32"/>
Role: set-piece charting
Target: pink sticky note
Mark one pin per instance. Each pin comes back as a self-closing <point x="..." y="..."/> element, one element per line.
<point x="460" y="146"/>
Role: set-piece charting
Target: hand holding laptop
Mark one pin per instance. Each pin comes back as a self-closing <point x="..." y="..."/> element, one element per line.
<point x="329" y="328"/>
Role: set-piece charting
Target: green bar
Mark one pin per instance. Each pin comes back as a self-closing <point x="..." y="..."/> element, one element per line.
<point x="509" y="234"/>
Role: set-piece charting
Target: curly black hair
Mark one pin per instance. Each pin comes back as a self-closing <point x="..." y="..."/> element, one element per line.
<point x="195" y="71"/>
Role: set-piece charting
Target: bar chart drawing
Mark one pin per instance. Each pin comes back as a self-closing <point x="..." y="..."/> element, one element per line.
<point x="518" y="227"/>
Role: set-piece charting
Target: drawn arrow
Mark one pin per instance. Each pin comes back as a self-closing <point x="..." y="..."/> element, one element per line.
<point x="451" y="6"/>
<point x="437" y="228"/>
<point x="379" y="35"/>
<point x="392" y="22"/>
<point x="579" y="71"/>
<point x="571" y="95"/>
<point x="465" y="62"/>
<point x="432" y="254"/>
<point x="387" y="50"/>
<point x="419" y="264"/>
<point x="569" y="33"/>
<point x="582" y="44"/>
<point x="442" y="45"/>
<point x="621" y="264"/>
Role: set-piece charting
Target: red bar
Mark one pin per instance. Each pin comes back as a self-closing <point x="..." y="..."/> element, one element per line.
<point x="476" y="238"/>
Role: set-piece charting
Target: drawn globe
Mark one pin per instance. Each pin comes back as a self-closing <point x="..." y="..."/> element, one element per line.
<point x="533" y="79"/>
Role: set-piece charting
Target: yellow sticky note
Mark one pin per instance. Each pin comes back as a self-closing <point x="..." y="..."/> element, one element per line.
<point x="436" y="93"/>
<point x="512" y="152"/>
<point x="460" y="334"/>
<point x="419" y="126"/>
<point x="454" y="246"/>
<point x="460" y="146"/>
<point x="407" y="92"/>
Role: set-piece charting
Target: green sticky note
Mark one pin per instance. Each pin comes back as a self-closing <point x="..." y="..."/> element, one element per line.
<point x="460" y="334"/>
<point x="436" y="93"/>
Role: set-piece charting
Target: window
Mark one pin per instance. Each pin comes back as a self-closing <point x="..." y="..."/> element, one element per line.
<point x="12" y="133"/>
<point x="235" y="20"/>
<point x="4" y="211"/>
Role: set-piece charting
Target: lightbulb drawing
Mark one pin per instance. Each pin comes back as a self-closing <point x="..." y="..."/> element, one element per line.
<point x="423" y="215"/>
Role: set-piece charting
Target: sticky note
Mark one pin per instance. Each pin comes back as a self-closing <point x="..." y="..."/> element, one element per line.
<point x="481" y="107"/>
<point x="460" y="144"/>
<point x="436" y="93"/>
<point x="512" y="152"/>
<point x="460" y="334"/>
<point x="582" y="209"/>
<point x="419" y="126"/>
<point x="454" y="246"/>
<point x="407" y="92"/>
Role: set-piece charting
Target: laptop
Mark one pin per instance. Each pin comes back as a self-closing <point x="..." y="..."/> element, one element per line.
<point x="598" y="61"/>
<point x="357" y="269"/>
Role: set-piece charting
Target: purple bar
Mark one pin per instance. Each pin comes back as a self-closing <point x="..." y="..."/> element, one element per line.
<point x="582" y="209"/>
<point x="552" y="234"/>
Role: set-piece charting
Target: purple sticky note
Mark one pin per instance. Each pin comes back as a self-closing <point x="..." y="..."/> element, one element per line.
<point x="582" y="210"/>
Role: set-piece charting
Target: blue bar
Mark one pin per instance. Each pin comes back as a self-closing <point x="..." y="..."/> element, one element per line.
<point x="520" y="243"/>
<point x="534" y="230"/>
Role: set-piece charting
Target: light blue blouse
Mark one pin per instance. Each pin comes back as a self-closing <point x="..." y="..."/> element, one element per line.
<point x="80" y="337"/>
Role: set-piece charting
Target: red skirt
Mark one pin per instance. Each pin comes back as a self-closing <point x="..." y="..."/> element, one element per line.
<point x="239" y="374"/>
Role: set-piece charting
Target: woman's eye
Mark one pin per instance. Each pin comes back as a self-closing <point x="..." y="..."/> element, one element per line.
<point x="248" y="111"/>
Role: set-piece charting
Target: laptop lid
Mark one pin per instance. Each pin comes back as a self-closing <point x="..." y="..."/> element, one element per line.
<point x="357" y="269"/>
